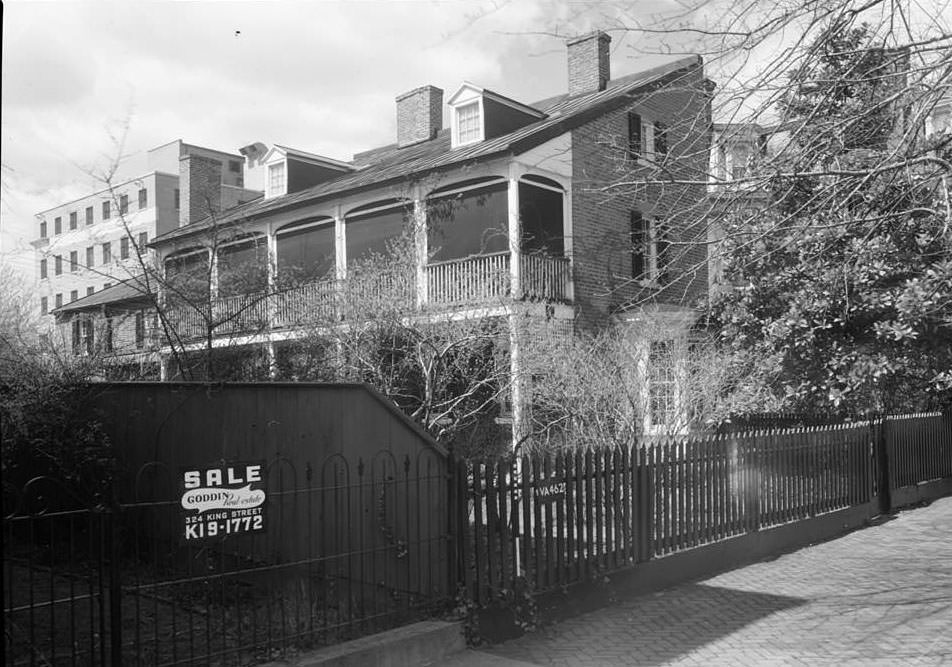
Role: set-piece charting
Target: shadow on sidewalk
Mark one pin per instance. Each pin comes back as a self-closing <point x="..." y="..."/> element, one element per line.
<point x="650" y="629"/>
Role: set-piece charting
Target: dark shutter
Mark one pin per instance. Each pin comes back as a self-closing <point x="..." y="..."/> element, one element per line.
<point x="660" y="138"/>
<point x="634" y="135"/>
<point x="639" y="240"/>
<point x="663" y="246"/>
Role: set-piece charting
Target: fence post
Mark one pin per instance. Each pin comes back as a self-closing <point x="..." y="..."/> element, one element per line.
<point x="882" y="459"/>
<point x="452" y="522"/>
<point x="115" y="581"/>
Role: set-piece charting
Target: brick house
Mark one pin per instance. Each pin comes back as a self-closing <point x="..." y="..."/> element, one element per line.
<point x="580" y="211"/>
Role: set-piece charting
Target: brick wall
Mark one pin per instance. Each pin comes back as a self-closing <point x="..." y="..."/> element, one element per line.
<point x="609" y="185"/>
<point x="589" y="63"/>
<point x="200" y="188"/>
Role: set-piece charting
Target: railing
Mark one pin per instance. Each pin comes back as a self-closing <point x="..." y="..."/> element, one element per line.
<point x="471" y="280"/>
<point x="474" y="280"/>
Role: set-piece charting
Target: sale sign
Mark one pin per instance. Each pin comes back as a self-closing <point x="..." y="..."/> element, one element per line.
<point x="224" y="500"/>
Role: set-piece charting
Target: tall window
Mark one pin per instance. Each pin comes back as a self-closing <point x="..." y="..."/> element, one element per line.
<point x="44" y="305"/>
<point x="89" y="215"/>
<point x="58" y="265"/>
<point x="649" y="249"/>
<point x="276" y="179"/>
<point x="468" y="124"/>
<point x="123" y="204"/>
<point x="73" y="261"/>
<point x="59" y="300"/>
<point x="124" y="247"/>
<point x="635" y="145"/>
<point x="42" y="269"/>
<point x="90" y="259"/>
<point x="57" y="225"/>
<point x="106" y="252"/>
<point x="660" y="140"/>
<point x="43" y="229"/>
<point x="73" y="295"/>
<point x="143" y="198"/>
<point x="105" y="210"/>
<point x="140" y="329"/>
<point x="107" y="336"/>
<point x="73" y="220"/>
<point x="662" y="385"/>
<point x="143" y="240"/>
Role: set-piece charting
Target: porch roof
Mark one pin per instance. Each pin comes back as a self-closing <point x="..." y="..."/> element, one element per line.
<point x="390" y="164"/>
<point x="127" y="291"/>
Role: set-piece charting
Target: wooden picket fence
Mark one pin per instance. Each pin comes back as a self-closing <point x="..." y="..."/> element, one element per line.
<point x="550" y="520"/>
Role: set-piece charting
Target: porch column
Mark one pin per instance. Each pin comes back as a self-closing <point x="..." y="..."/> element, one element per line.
<point x="419" y="223"/>
<point x="520" y="427"/>
<point x="340" y="245"/>
<point x="271" y="304"/>
<point x="515" y="232"/>
<point x="567" y="239"/>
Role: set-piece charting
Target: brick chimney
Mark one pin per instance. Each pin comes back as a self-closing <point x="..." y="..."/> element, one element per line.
<point x="419" y="115"/>
<point x="199" y="188"/>
<point x="589" y="63"/>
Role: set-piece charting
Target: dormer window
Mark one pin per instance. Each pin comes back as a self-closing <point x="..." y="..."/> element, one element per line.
<point x="276" y="179"/>
<point x="478" y="114"/>
<point x="469" y="126"/>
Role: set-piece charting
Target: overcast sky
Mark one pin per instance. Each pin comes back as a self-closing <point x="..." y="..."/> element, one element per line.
<point x="319" y="76"/>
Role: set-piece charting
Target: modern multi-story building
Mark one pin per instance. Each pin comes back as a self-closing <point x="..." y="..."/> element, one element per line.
<point x="579" y="211"/>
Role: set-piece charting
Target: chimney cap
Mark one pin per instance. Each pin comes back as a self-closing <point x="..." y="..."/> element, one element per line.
<point x="427" y="88"/>
<point x="600" y="34"/>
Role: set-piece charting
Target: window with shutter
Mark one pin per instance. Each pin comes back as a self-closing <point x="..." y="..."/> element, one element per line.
<point x="635" y="148"/>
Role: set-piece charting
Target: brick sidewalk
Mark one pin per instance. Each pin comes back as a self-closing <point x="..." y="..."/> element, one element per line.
<point x="882" y="595"/>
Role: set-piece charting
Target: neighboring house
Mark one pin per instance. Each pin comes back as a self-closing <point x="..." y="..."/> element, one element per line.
<point x="579" y="211"/>
<point x="92" y="244"/>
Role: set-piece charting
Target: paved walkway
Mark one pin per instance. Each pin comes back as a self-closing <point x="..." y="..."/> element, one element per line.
<point x="878" y="596"/>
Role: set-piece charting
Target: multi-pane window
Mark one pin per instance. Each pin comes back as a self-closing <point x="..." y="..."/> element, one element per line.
<point x="106" y="210"/>
<point x="42" y="269"/>
<point x="43" y="229"/>
<point x="276" y="179"/>
<point x="57" y="225"/>
<point x="123" y="204"/>
<point x="59" y="300"/>
<point x="90" y="259"/>
<point x="58" y="265"/>
<point x="106" y="252"/>
<point x="73" y="295"/>
<point x="468" y="124"/>
<point x="143" y="198"/>
<point x="44" y="305"/>
<point x="90" y="290"/>
<point x="143" y="239"/>
<point x="649" y="249"/>
<point x="73" y="223"/>
<point x="662" y="385"/>
<point x="87" y="325"/>
<point x="89" y="215"/>
<point x="73" y="261"/>
<point x="124" y="247"/>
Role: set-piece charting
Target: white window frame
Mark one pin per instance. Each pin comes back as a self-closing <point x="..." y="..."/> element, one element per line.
<point x="480" y="122"/>
<point x="283" y="188"/>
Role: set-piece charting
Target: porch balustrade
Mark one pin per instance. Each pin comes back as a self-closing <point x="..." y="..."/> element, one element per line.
<point x="480" y="280"/>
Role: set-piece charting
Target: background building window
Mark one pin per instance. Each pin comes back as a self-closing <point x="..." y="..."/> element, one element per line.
<point x="57" y="225"/>
<point x="106" y="212"/>
<point x="143" y="240"/>
<point x="89" y="215"/>
<point x="44" y="305"/>
<point x="73" y="295"/>
<point x="90" y="258"/>
<point x="90" y="290"/>
<point x="73" y="223"/>
<point x="106" y="252"/>
<point x="73" y="261"/>
<point x="43" y="229"/>
<point x="42" y="269"/>
<point x="124" y="247"/>
<point x="58" y="265"/>
<point x="143" y="198"/>
<point x="59" y="300"/>
<point x="123" y="204"/>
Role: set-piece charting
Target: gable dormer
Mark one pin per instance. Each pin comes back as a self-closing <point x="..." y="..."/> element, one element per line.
<point x="288" y="170"/>
<point x="477" y="114"/>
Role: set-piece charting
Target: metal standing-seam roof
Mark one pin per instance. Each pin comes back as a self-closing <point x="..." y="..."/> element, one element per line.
<point x="392" y="164"/>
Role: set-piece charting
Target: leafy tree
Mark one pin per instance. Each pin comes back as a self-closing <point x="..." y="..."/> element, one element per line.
<point x="843" y="285"/>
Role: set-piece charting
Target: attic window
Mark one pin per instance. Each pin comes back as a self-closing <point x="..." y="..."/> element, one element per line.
<point x="276" y="179"/>
<point x="469" y="127"/>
